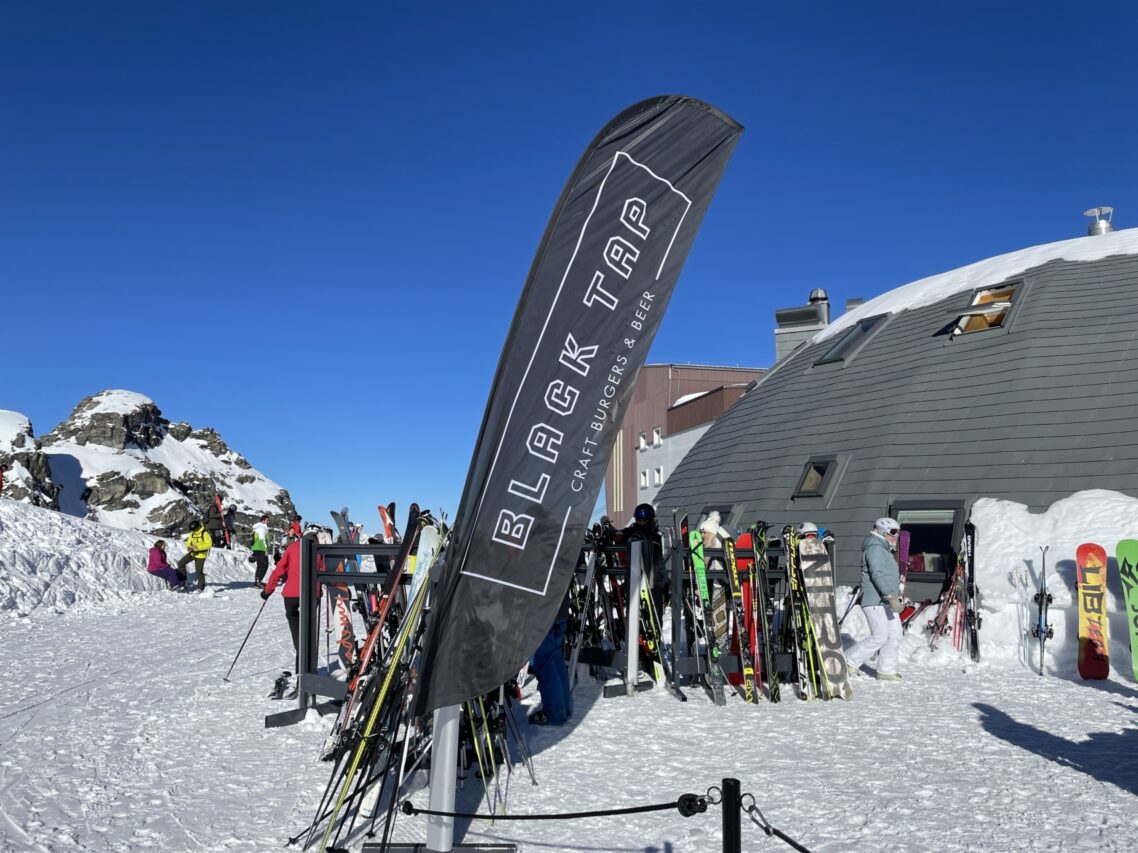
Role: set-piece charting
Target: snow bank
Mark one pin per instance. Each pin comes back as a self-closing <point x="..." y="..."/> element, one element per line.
<point x="1009" y="539"/>
<point x="50" y="560"/>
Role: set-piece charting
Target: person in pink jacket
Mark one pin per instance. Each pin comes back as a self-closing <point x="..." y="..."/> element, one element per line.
<point x="159" y="565"/>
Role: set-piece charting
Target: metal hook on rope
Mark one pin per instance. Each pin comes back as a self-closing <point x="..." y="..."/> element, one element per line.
<point x="765" y="825"/>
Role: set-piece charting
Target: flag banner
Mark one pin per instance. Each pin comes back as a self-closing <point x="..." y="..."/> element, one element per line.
<point x="596" y="293"/>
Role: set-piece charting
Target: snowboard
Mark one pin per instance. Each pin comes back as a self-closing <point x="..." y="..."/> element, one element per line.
<point x="818" y="578"/>
<point x="1127" y="555"/>
<point x="1094" y="656"/>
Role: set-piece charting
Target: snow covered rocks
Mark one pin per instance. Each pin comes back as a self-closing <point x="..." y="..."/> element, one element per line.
<point x="117" y="460"/>
<point x="26" y="473"/>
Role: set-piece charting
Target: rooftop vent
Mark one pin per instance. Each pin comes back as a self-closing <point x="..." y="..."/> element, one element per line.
<point x="818" y="297"/>
<point x="1101" y="223"/>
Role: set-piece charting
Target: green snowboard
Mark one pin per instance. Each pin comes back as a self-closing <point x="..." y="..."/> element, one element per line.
<point x="1127" y="555"/>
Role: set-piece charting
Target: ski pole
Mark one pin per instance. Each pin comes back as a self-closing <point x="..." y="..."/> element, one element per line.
<point x="243" y="642"/>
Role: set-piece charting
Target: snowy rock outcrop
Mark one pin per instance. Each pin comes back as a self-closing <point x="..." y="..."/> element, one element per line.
<point x="118" y="461"/>
<point x="27" y="475"/>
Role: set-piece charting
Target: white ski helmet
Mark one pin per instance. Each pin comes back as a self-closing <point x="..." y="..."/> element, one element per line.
<point x="808" y="528"/>
<point x="887" y="526"/>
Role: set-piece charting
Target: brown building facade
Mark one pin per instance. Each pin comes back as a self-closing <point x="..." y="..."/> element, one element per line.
<point x="669" y="401"/>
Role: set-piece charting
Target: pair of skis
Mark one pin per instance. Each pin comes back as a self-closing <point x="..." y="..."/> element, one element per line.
<point x="715" y="678"/>
<point x="363" y="669"/>
<point x="761" y="602"/>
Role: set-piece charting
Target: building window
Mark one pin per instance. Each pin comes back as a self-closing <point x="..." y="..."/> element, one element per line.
<point x="643" y="441"/>
<point x="989" y="310"/>
<point x="816" y="476"/>
<point x="644" y="479"/>
<point x="657" y="437"/>
<point x="852" y="340"/>
<point x="933" y="529"/>
<point x="658" y="476"/>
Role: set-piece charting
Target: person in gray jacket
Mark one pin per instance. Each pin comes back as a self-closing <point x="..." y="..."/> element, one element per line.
<point x="880" y="601"/>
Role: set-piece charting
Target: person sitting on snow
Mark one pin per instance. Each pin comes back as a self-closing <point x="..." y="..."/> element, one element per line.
<point x="159" y="565"/>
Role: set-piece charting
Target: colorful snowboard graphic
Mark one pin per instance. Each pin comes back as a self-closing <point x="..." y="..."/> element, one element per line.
<point x="1127" y="556"/>
<point x="818" y="577"/>
<point x="1094" y="658"/>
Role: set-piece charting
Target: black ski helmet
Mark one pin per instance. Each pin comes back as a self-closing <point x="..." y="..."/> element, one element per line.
<point x="645" y="512"/>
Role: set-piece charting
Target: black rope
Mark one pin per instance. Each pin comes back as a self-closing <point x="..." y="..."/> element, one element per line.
<point x="765" y="825"/>
<point x="687" y="805"/>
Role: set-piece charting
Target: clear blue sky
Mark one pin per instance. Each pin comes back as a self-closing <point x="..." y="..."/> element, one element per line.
<point x="307" y="224"/>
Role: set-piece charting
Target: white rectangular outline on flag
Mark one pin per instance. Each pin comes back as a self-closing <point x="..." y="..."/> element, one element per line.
<point x="521" y="386"/>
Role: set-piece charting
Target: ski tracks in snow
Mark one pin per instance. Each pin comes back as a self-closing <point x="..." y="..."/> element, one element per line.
<point x="148" y="748"/>
<point x="119" y="734"/>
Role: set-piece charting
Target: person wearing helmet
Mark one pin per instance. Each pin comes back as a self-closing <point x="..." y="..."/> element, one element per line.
<point x="645" y="528"/>
<point x="807" y="530"/>
<point x="880" y="602"/>
<point x="198" y="544"/>
<point x="230" y="521"/>
<point x="643" y="524"/>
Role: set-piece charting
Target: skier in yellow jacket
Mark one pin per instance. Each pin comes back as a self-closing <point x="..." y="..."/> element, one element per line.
<point x="198" y="544"/>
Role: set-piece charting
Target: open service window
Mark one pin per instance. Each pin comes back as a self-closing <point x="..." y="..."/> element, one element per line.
<point x="990" y="309"/>
<point x="934" y="528"/>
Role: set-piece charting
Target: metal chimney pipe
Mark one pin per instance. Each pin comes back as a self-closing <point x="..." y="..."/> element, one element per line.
<point x="1101" y="223"/>
<point x="818" y="297"/>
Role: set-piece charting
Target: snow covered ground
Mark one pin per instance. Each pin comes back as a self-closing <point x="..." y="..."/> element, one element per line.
<point x="117" y="731"/>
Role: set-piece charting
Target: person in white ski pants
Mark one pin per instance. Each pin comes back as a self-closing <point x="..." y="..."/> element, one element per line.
<point x="881" y="602"/>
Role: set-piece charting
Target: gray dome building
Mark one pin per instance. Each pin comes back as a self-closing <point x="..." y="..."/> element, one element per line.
<point x="1015" y="377"/>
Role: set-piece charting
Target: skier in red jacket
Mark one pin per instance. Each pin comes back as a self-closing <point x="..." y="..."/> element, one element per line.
<point x="288" y="568"/>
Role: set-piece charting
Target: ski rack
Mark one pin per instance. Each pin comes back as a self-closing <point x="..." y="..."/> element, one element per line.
<point x="311" y="555"/>
<point x="681" y="668"/>
<point x="618" y="660"/>
<point x="775" y="577"/>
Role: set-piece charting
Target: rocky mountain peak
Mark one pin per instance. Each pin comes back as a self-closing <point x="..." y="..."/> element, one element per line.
<point x="117" y="419"/>
<point x="117" y="460"/>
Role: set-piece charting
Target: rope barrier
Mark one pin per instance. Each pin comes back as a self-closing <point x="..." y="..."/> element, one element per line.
<point x="765" y="825"/>
<point x="687" y="805"/>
